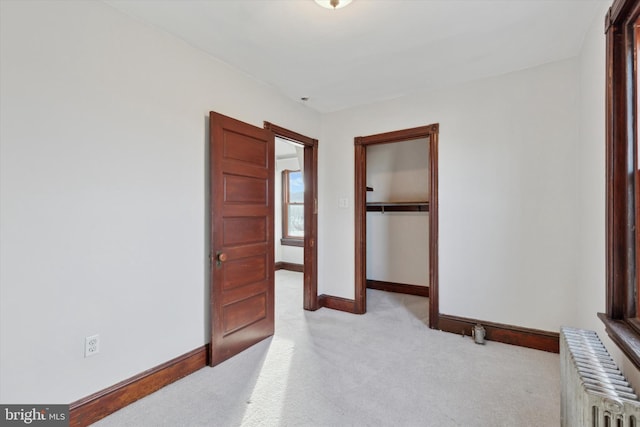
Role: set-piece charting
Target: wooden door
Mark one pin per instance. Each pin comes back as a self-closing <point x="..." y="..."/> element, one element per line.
<point x="242" y="242"/>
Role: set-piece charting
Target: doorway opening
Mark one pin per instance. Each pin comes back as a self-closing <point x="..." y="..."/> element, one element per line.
<point x="301" y="153"/>
<point x="430" y="134"/>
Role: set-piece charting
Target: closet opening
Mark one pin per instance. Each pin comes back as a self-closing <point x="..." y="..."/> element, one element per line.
<point x="396" y="215"/>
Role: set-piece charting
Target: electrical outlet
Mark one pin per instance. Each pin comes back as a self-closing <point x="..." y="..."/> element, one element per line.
<point x="91" y="345"/>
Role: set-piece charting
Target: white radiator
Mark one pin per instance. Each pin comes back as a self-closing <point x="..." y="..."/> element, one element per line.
<point x="594" y="391"/>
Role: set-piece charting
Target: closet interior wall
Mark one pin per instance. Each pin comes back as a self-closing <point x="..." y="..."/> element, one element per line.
<point x="398" y="242"/>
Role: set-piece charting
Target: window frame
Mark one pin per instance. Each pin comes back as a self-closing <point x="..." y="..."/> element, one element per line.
<point x="621" y="317"/>
<point x="286" y="239"/>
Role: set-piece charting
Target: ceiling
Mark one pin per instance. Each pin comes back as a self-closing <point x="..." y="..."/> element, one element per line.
<point x="285" y="149"/>
<point x="373" y="50"/>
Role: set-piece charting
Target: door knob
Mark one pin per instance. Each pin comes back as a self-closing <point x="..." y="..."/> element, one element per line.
<point x="220" y="258"/>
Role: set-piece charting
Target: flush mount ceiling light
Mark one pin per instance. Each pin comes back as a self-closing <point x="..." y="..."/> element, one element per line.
<point x="333" y="4"/>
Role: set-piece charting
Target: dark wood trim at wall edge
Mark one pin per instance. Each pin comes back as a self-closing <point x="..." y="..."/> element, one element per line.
<point x="622" y="193"/>
<point x="360" y="167"/>
<point x="310" y="292"/>
<point x="289" y="266"/>
<point x="289" y="134"/>
<point x="624" y="336"/>
<point x="508" y="334"/>
<point x="400" y="288"/>
<point x="398" y="135"/>
<point x="618" y="9"/>
<point x="337" y="303"/>
<point x="92" y="408"/>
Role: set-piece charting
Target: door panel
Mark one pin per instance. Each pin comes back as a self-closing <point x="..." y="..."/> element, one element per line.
<point x="245" y="149"/>
<point x="244" y="230"/>
<point x="235" y="295"/>
<point x="242" y="313"/>
<point x="240" y="189"/>
<point x="244" y="271"/>
<point x="242" y="242"/>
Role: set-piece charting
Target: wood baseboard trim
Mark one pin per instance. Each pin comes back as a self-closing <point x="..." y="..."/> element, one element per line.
<point x="92" y="408"/>
<point x="400" y="288"/>
<point x="508" y="334"/>
<point x="290" y="266"/>
<point x="337" y="303"/>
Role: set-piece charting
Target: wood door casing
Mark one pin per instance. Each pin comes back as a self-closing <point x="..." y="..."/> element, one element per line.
<point x="360" y="156"/>
<point x="242" y="240"/>
<point x="310" y="293"/>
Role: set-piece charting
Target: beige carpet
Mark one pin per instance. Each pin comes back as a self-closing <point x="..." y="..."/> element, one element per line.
<point x="385" y="368"/>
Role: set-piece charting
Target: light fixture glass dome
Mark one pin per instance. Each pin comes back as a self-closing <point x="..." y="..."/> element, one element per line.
<point x="333" y="4"/>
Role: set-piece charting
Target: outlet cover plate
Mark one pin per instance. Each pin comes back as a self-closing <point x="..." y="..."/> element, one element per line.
<point x="91" y="345"/>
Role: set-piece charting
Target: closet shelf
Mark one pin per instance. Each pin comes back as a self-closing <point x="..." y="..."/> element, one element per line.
<point x="398" y="207"/>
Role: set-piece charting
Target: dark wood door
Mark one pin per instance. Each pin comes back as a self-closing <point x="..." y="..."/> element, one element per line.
<point x="242" y="242"/>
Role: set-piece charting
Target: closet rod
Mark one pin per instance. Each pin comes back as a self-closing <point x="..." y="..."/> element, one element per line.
<point x="398" y="207"/>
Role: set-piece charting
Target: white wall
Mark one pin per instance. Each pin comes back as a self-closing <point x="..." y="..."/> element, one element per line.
<point x="104" y="195"/>
<point x="104" y="199"/>
<point x="398" y="242"/>
<point x="590" y="294"/>
<point x="284" y="253"/>
<point x="507" y="197"/>
<point x="590" y="246"/>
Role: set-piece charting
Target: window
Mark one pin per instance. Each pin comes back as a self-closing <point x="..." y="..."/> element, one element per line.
<point x="292" y="208"/>
<point x="623" y="188"/>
